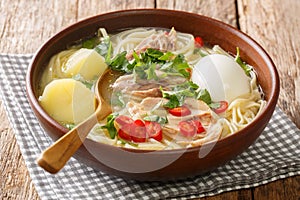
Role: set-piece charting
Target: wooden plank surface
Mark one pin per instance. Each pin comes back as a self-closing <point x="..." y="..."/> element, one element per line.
<point x="275" y="25"/>
<point x="26" y="24"/>
<point x="216" y="9"/>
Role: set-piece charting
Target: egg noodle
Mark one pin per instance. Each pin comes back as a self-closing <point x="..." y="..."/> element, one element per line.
<point x="241" y="111"/>
<point x="129" y="39"/>
<point x="55" y="67"/>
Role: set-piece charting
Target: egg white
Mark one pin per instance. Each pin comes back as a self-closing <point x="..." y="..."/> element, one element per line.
<point x="222" y="77"/>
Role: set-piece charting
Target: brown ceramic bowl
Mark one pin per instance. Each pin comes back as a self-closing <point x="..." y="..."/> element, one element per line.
<point x="166" y="164"/>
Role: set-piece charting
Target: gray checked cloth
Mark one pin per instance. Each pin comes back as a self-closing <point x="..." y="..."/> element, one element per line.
<point x="274" y="155"/>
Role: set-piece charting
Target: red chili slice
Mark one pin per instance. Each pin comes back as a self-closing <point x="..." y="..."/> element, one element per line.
<point x="198" y="125"/>
<point x="187" y="128"/>
<point x="154" y="130"/>
<point x="121" y="120"/>
<point x="139" y="122"/>
<point x="222" y="108"/>
<point x="138" y="133"/>
<point x="135" y="131"/>
<point x="180" y="111"/>
<point x="199" y="42"/>
<point x="125" y="132"/>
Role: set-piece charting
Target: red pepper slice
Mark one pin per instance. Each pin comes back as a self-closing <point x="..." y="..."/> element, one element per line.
<point x="139" y="122"/>
<point x="222" y="108"/>
<point x="187" y="128"/>
<point x="121" y="120"/>
<point x="198" y="125"/>
<point x="138" y="133"/>
<point x="154" y="130"/>
<point x="125" y="132"/>
<point x="199" y="42"/>
<point x="134" y="131"/>
<point x="180" y="111"/>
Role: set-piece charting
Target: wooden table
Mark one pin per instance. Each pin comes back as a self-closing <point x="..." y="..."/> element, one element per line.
<point x="275" y="24"/>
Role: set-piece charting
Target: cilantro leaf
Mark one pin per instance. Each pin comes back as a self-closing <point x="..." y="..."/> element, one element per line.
<point x="167" y="56"/>
<point x="153" y="54"/>
<point x="156" y="118"/>
<point x="214" y="105"/>
<point x="89" y="43"/>
<point x="173" y="101"/>
<point x="204" y="96"/>
<point x="179" y="93"/>
<point x="120" y="63"/>
<point x="177" y="65"/>
<point x="243" y="65"/>
<point x="151" y="72"/>
<point x="110" y="127"/>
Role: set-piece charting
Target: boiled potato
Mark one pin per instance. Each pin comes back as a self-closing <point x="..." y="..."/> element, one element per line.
<point x="68" y="100"/>
<point x="86" y="62"/>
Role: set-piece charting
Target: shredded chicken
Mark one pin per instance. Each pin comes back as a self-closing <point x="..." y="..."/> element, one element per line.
<point x="141" y="88"/>
<point x="164" y="41"/>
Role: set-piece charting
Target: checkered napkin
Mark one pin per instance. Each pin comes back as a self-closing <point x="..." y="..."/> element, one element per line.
<point x="274" y="155"/>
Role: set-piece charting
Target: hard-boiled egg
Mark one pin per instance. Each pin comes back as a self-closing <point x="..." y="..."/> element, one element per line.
<point x="222" y="77"/>
<point x="68" y="100"/>
<point x="86" y="62"/>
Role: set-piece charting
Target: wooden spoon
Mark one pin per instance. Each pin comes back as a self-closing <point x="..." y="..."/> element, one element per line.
<point x="56" y="156"/>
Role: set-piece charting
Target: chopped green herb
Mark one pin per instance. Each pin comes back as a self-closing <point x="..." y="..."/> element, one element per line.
<point x="179" y="93"/>
<point x="120" y="63"/>
<point x="178" y="65"/>
<point x="89" y="43"/>
<point x="152" y="55"/>
<point x="110" y="125"/>
<point x="214" y="105"/>
<point x="243" y="65"/>
<point x="145" y="64"/>
<point x="204" y="96"/>
<point x="156" y="118"/>
<point x="151" y="72"/>
<point x="167" y="56"/>
<point x="128" y="142"/>
<point x="173" y="100"/>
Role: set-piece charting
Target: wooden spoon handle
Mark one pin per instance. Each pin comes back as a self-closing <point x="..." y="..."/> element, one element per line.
<point x="57" y="155"/>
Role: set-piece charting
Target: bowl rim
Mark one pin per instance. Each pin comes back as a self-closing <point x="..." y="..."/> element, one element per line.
<point x="270" y="104"/>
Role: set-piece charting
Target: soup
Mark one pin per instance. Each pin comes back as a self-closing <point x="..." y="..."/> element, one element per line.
<point x="172" y="90"/>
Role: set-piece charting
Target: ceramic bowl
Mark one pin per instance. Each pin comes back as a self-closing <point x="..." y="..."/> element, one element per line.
<point x="166" y="164"/>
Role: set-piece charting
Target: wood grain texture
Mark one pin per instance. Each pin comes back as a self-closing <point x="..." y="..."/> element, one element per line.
<point x="275" y="25"/>
<point x="212" y="8"/>
<point x="26" y="24"/>
<point x="97" y="7"/>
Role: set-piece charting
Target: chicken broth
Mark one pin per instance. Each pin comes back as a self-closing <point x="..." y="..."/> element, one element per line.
<point x="167" y="89"/>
